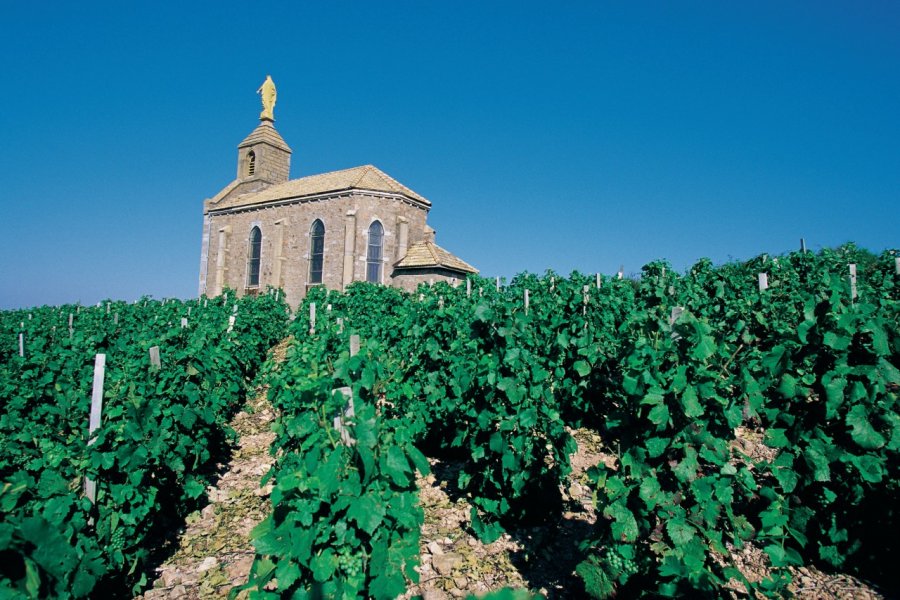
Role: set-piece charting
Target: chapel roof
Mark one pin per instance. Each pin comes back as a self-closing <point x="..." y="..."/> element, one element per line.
<point x="365" y="177"/>
<point x="265" y="133"/>
<point x="429" y="254"/>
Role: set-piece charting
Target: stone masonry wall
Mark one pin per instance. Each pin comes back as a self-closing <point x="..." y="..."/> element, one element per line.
<point x="410" y="281"/>
<point x="295" y="221"/>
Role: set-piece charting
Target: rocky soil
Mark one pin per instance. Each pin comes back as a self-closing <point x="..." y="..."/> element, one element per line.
<point x="214" y="552"/>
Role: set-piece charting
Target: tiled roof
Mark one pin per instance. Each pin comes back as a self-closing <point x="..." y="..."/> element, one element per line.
<point x="366" y="177"/>
<point x="429" y="254"/>
<point x="265" y="133"/>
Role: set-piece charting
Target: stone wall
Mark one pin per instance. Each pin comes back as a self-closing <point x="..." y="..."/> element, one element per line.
<point x="284" y="260"/>
<point x="410" y="281"/>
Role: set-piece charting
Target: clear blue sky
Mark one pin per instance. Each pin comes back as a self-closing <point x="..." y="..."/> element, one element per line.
<point x="575" y="135"/>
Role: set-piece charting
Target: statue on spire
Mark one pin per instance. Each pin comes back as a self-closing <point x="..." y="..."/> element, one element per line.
<point x="269" y="95"/>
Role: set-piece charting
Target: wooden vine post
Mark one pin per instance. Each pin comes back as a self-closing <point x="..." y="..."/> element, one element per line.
<point x="348" y="412"/>
<point x="763" y="279"/>
<point x="584" y="301"/>
<point x="155" y="363"/>
<point x="90" y="486"/>
<point x="853" y="294"/>
<point x="526" y="302"/>
<point x="312" y="318"/>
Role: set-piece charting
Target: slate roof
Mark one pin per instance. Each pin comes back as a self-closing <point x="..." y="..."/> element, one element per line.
<point x="365" y="177"/>
<point x="429" y="254"/>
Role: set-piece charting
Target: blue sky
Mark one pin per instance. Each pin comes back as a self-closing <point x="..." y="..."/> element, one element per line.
<point x="576" y="135"/>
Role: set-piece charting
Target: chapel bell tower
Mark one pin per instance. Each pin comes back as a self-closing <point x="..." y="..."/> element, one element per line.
<point x="264" y="156"/>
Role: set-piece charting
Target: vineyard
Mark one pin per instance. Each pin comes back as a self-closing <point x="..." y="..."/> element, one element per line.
<point x="672" y="372"/>
<point x="148" y="461"/>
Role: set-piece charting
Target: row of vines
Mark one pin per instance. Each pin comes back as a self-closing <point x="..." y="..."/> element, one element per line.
<point x="153" y="456"/>
<point x="668" y="368"/>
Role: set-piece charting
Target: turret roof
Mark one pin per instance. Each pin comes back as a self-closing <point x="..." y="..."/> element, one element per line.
<point x="429" y="254"/>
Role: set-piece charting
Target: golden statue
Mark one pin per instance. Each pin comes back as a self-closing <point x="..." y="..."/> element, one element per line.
<point x="269" y="95"/>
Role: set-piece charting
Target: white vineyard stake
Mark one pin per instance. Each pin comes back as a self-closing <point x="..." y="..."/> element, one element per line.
<point x="469" y="287"/>
<point x="354" y="345"/>
<point x="763" y="281"/>
<point x="598" y="281"/>
<point x="312" y="318"/>
<point x="22" y="345"/>
<point x="183" y="322"/>
<point x="348" y="413"/>
<point x="853" y="294"/>
<point x="230" y="324"/>
<point x="90" y="486"/>
<point x="498" y="284"/>
<point x="526" y="302"/>
<point x="621" y="271"/>
<point x="677" y="311"/>
<point x="155" y="363"/>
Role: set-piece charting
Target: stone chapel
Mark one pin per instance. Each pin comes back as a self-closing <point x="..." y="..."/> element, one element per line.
<point x="358" y="224"/>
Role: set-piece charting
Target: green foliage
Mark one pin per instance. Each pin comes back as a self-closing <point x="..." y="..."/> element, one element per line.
<point x="345" y="520"/>
<point x="150" y="457"/>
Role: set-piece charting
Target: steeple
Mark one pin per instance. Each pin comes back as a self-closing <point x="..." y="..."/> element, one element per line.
<point x="264" y="155"/>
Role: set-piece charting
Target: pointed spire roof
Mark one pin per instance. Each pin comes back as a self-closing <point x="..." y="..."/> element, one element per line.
<point x="265" y="133"/>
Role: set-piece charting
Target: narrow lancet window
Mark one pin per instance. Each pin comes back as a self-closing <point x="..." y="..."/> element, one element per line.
<point x="253" y="256"/>
<point x="251" y="163"/>
<point x="373" y="256"/>
<point x="316" y="251"/>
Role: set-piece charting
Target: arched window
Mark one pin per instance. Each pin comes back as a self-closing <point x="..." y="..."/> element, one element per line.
<point x="316" y="251"/>
<point x="251" y="163"/>
<point x="253" y="257"/>
<point x="373" y="256"/>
